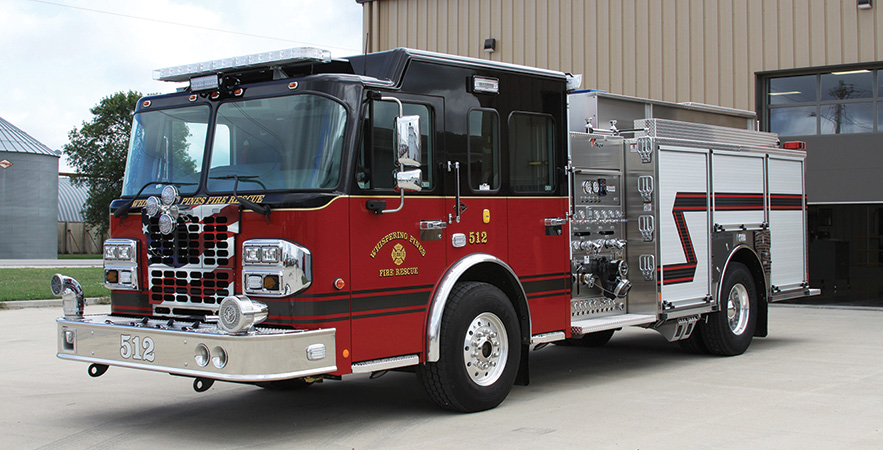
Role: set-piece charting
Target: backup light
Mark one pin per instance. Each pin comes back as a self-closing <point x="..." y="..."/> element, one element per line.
<point x="213" y="68"/>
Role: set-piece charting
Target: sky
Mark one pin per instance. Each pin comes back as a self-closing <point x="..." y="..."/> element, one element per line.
<point x="59" y="58"/>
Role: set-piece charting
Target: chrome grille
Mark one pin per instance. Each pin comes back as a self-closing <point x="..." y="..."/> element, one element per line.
<point x="193" y="268"/>
<point x="189" y="241"/>
<point x="191" y="286"/>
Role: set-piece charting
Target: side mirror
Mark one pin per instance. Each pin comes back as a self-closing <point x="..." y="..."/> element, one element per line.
<point x="409" y="180"/>
<point x="408" y="140"/>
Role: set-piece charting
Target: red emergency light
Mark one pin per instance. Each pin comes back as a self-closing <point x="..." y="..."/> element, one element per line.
<point x="794" y="145"/>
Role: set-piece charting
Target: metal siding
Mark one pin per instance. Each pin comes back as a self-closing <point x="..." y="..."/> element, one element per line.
<point x="29" y="206"/>
<point x="71" y="200"/>
<point x="675" y="50"/>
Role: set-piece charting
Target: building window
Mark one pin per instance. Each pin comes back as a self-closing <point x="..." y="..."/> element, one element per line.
<point x="830" y="102"/>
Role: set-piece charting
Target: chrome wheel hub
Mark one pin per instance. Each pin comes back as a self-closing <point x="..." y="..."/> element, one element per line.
<point x="738" y="308"/>
<point x="485" y="349"/>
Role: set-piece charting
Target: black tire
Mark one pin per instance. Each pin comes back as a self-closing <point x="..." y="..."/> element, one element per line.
<point x="729" y="331"/>
<point x="595" y="339"/>
<point x="695" y="343"/>
<point x="479" y="350"/>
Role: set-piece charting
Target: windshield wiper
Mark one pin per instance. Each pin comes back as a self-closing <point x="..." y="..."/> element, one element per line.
<point x="260" y="209"/>
<point x="123" y="211"/>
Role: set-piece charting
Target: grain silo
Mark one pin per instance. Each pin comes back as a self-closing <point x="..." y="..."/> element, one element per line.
<point x="28" y="196"/>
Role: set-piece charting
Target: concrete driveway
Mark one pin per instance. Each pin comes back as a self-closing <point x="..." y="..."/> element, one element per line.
<point x="816" y="383"/>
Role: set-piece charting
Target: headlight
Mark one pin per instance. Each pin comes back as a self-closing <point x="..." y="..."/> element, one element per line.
<point x="120" y="250"/>
<point x="238" y="314"/>
<point x="275" y="268"/>
<point x="121" y="264"/>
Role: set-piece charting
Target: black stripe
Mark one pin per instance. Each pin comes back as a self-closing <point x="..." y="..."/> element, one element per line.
<point x="544" y="275"/>
<point x="392" y="289"/>
<point x="556" y="284"/>
<point x="554" y="294"/>
<point x="733" y="200"/>
<point x="390" y="313"/>
<point x="330" y="294"/>
<point x="275" y="320"/>
<point x="310" y="308"/>
<point x="786" y="200"/>
<point x="379" y="302"/>
<point x="687" y="199"/>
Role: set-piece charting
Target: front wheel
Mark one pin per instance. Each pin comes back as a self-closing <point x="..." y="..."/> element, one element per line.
<point x="479" y="350"/>
<point x="729" y="331"/>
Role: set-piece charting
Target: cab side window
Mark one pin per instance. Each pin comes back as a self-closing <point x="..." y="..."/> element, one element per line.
<point x="531" y="139"/>
<point x="484" y="150"/>
<point x="377" y="162"/>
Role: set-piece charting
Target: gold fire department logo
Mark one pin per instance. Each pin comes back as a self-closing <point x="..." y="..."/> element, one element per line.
<point x="398" y="254"/>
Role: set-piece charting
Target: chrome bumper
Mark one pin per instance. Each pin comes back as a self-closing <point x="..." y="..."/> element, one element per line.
<point x="204" y="351"/>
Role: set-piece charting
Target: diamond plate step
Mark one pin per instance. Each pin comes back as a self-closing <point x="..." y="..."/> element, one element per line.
<point x="586" y="326"/>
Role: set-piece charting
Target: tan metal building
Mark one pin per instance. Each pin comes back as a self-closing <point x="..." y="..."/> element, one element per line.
<point x="704" y="51"/>
<point x="811" y="69"/>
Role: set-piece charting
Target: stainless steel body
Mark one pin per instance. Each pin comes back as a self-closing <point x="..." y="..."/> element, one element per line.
<point x="688" y="199"/>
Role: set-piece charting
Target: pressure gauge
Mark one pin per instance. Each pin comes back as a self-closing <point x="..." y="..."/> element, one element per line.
<point x="596" y="187"/>
<point x="587" y="187"/>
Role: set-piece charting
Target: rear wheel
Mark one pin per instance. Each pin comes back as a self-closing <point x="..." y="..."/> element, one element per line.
<point x="479" y="350"/>
<point x="729" y="331"/>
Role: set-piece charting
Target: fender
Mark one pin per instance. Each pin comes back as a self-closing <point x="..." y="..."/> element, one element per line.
<point x="751" y="267"/>
<point x="456" y="273"/>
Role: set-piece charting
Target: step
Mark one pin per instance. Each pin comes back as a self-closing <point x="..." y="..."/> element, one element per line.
<point x="586" y="326"/>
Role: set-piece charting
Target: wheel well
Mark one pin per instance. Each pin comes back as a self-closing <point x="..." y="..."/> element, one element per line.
<point x="498" y="276"/>
<point x="750" y="260"/>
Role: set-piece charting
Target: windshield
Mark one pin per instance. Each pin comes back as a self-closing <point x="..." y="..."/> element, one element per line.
<point x="292" y="142"/>
<point x="166" y="147"/>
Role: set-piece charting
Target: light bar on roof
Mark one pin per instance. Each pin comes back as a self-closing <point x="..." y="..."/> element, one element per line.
<point x="274" y="58"/>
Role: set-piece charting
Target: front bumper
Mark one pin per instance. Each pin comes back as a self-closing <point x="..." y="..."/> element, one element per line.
<point x="197" y="349"/>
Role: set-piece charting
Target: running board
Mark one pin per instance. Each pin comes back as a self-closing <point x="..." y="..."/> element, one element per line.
<point x="794" y="293"/>
<point x="385" y="364"/>
<point x="587" y="326"/>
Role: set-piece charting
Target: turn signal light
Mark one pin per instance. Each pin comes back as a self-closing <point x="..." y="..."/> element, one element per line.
<point x="111" y="276"/>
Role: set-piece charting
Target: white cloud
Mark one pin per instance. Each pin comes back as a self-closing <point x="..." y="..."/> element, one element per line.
<point x="59" y="61"/>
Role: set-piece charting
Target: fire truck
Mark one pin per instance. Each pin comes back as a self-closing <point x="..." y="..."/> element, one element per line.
<point x="288" y="218"/>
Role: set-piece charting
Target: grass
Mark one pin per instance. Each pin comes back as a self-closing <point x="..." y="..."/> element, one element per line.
<point x="33" y="284"/>
<point x="72" y="256"/>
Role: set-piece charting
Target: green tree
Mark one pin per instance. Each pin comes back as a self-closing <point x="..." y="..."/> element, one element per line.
<point x="98" y="151"/>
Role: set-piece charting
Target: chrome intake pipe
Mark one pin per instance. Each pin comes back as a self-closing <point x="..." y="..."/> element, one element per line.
<point x="73" y="299"/>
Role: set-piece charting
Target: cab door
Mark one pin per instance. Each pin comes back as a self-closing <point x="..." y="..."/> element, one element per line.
<point x="393" y="265"/>
<point x="477" y="212"/>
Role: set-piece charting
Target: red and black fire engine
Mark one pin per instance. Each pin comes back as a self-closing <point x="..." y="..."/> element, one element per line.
<point x="288" y="218"/>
